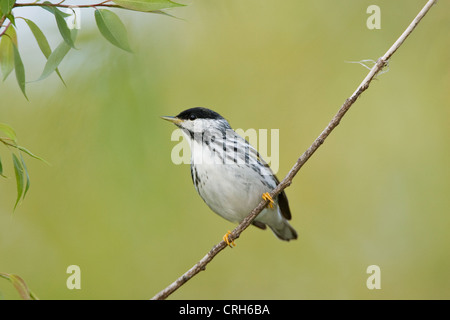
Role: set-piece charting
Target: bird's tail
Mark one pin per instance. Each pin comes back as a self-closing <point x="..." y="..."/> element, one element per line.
<point x="284" y="231"/>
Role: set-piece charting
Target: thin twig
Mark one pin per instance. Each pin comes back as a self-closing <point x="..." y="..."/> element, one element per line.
<point x="103" y="4"/>
<point x="60" y="5"/>
<point x="380" y="64"/>
<point x="3" y="140"/>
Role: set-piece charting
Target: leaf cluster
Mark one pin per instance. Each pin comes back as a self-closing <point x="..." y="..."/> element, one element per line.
<point x="110" y="27"/>
<point x="20" y="169"/>
<point x="108" y="23"/>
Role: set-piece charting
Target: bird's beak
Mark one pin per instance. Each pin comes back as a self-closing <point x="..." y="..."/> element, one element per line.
<point x="174" y="120"/>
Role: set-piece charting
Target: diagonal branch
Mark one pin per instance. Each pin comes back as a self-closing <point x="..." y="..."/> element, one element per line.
<point x="381" y="63"/>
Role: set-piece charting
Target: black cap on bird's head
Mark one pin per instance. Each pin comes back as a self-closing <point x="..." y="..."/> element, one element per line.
<point x="198" y="120"/>
<point x="199" y="113"/>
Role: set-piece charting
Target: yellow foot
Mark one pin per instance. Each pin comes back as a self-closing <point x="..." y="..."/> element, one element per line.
<point x="266" y="196"/>
<point x="227" y="240"/>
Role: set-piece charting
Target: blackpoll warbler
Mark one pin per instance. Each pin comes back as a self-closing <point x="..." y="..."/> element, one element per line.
<point x="229" y="174"/>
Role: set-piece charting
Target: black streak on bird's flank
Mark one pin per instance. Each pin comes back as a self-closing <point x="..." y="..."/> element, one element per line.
<point x="197" y="179"/>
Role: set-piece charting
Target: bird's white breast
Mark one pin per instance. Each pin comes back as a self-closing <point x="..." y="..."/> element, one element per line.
<point x="231" y="190"/>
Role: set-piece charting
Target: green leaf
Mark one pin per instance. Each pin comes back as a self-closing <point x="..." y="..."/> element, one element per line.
<point x="56" y="57"/>
<point x="42" y="43"/>
<point x="10" y="133"/>
<point x="62" y="24"/>
<point x="63" y="28"/>
<point x="11" y="18"/>
<point x="18" y="170"/>
<point x="31" y="154"/>
<point x="40" y="38"/>
<point x="7" y="5"/>
<point x="20" y="286"/>
<point x="7" y="51"/>
<point x="27" y="185"/>
<point x="147" y="5"/>
<point x="112" y="28"/>
<point x="1" y="169"/>
<point x="20" y="70"/>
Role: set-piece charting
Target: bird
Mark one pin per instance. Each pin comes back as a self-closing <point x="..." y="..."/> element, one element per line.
<point x="230" y="175"/>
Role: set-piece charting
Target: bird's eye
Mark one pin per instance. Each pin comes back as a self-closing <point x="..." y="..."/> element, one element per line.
<point x="192" y="117"/>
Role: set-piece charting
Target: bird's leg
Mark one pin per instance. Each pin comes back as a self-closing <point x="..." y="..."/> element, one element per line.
<point x="227" y="239"/>
<point x="266" y="196"/>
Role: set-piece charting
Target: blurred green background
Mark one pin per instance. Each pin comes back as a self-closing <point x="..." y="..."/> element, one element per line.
<point x="112" y="202"/>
